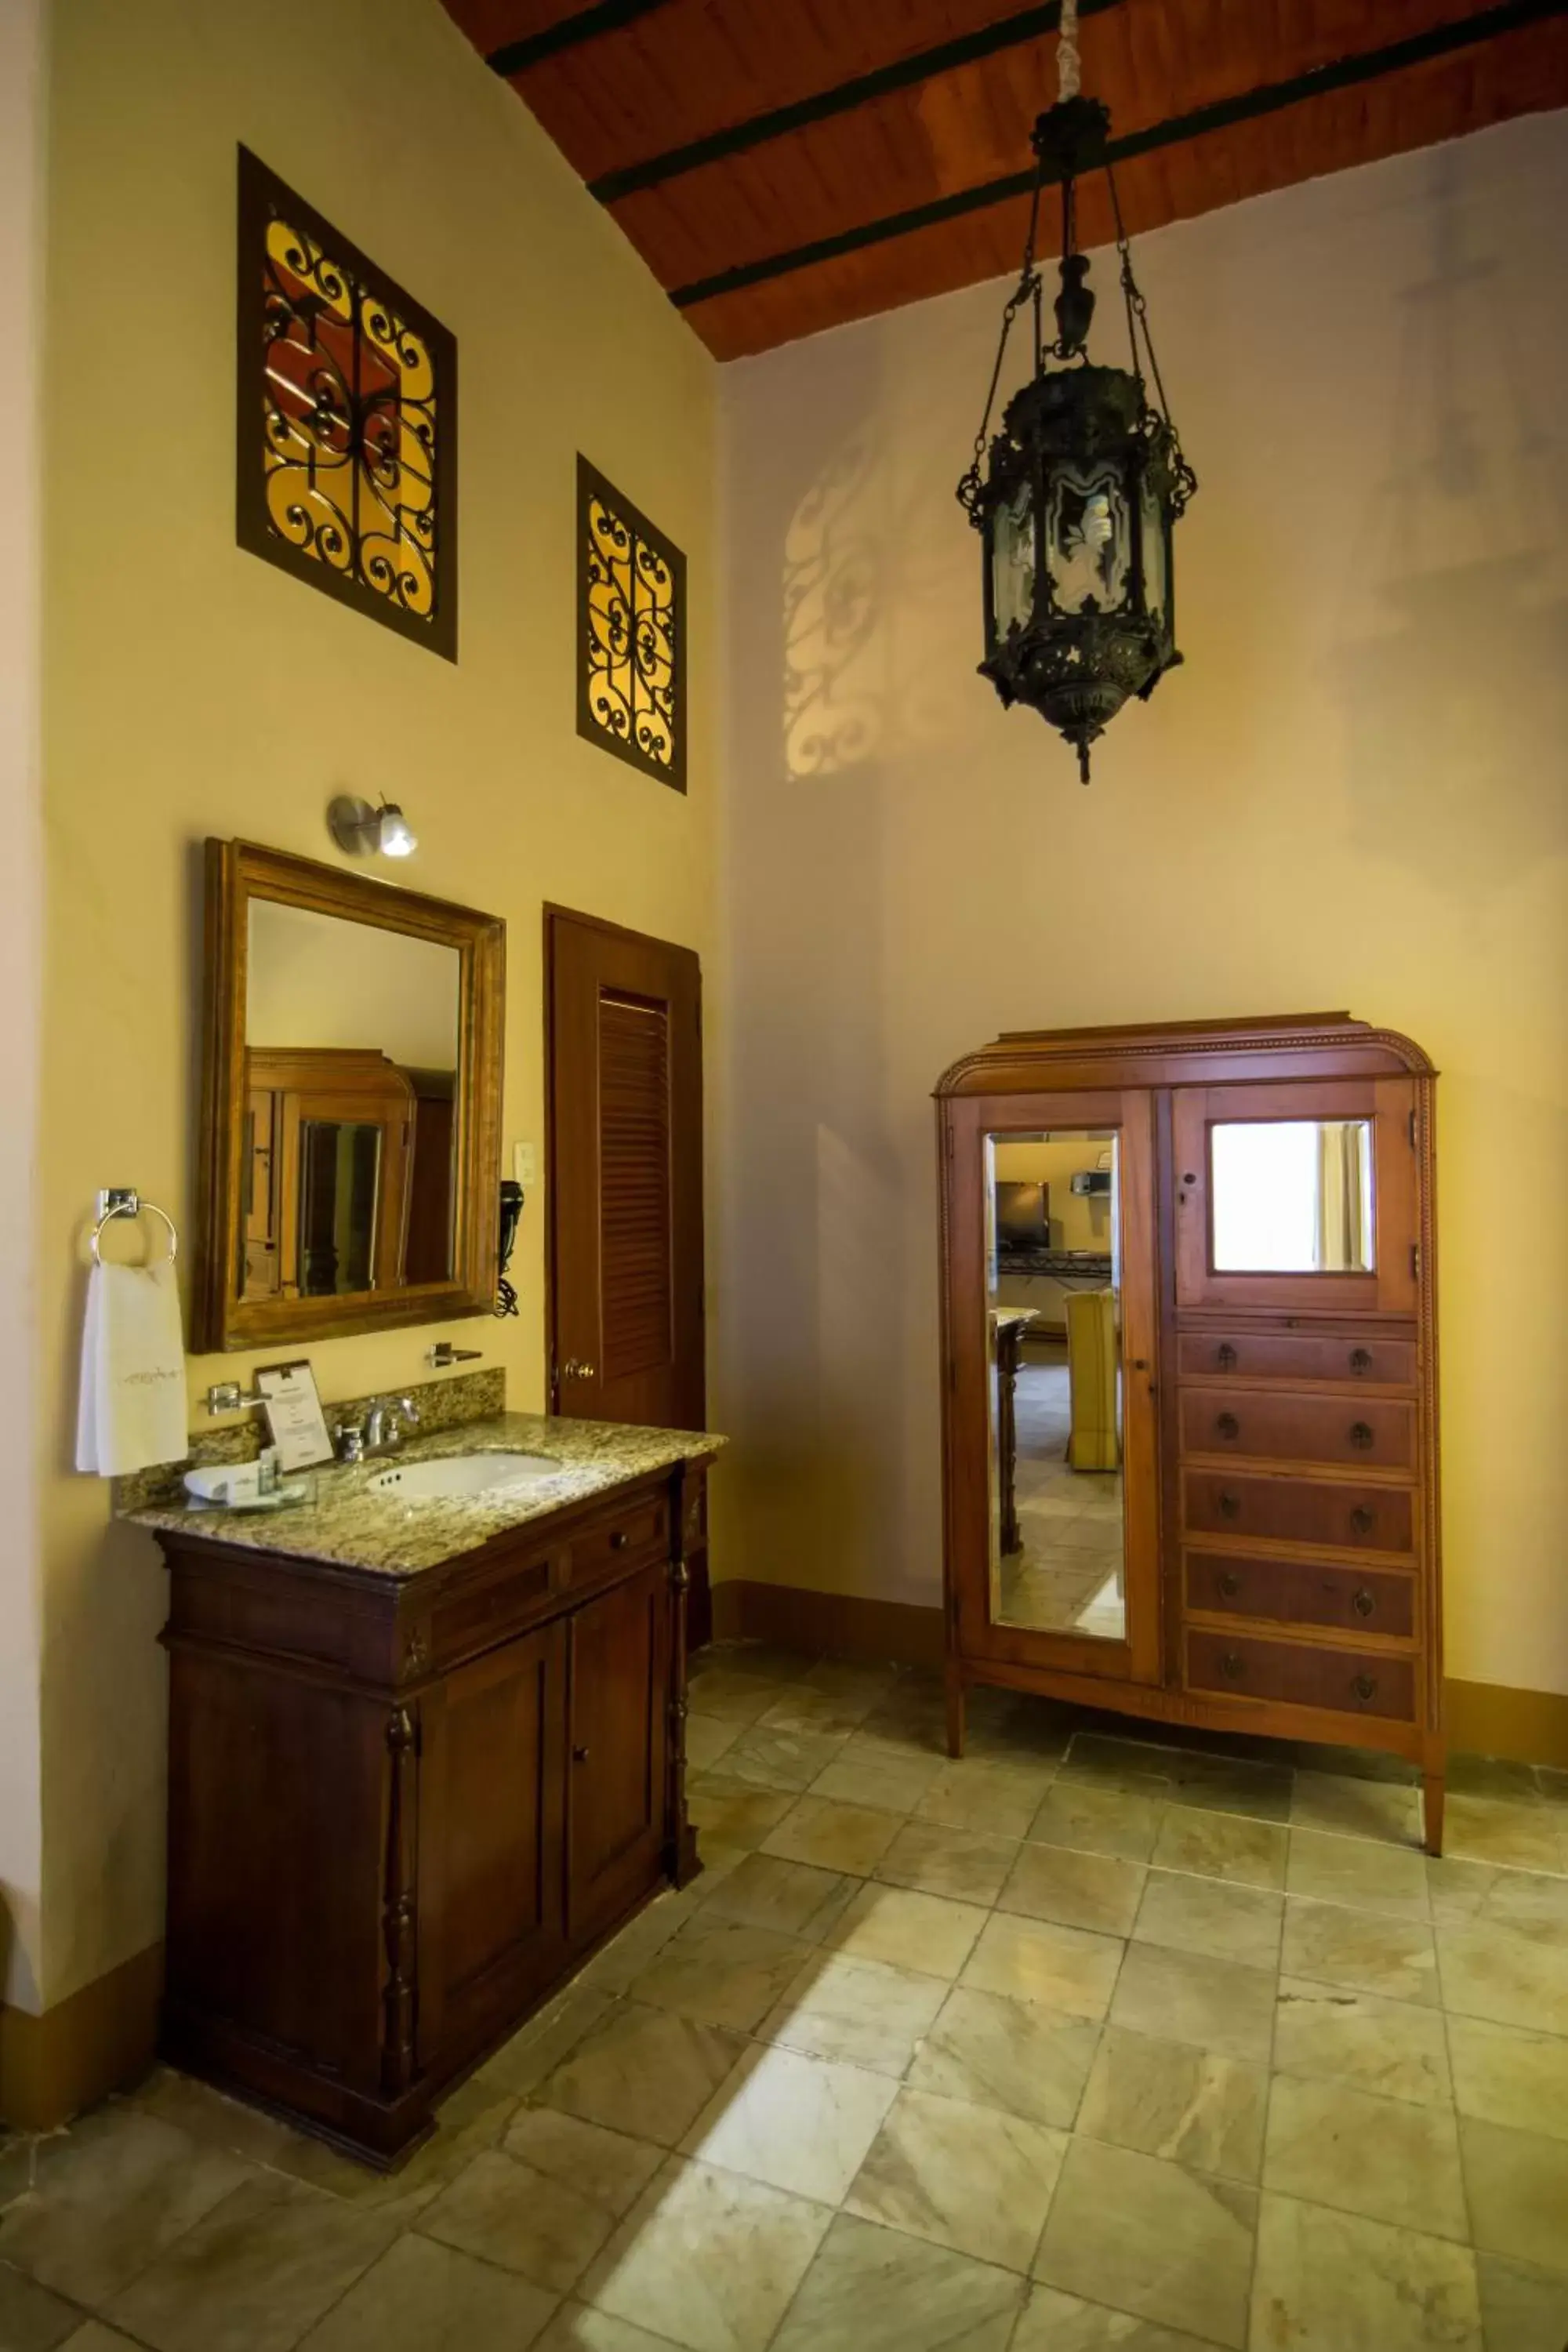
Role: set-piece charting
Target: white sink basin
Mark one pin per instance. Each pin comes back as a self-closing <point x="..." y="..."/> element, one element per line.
<point x="457" y="1474"/>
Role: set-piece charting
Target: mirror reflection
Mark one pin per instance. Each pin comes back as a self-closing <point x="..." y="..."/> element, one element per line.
<point x="1291" y="1196"/>
<point x="351" y="1038"/>
<point x="1054" y="1351"/>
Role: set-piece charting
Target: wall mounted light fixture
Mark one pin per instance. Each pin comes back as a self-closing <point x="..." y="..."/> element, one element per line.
<point x="363" y="831"/>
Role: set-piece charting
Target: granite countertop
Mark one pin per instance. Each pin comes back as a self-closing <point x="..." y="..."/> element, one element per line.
<point x="347" y="1526"/>
<point x="1003" y="1317"/>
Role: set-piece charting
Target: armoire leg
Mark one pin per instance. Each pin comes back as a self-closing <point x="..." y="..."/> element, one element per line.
<point x="954" y="1710"/>
<point x="1434" y="1782"/>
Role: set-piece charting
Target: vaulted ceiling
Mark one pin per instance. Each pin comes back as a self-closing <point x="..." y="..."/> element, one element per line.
<point x="783" y="165"/>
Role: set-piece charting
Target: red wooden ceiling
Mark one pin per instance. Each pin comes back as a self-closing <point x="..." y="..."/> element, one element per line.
<point x="645" y="77"/>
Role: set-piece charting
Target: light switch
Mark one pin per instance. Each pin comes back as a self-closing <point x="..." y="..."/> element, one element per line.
<point x="523" y="1165"/>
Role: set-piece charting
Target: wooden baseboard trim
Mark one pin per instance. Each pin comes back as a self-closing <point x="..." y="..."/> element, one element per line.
<point x="1529" y="1727"/>
<point x="53" y="2066"/>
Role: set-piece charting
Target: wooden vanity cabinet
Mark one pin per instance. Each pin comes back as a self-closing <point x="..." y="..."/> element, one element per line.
<point x="1279" y="1567"/>
<point x="403" y="1809"/>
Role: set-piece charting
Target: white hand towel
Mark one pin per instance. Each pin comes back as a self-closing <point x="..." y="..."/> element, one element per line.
<point x="131" y="1411"/>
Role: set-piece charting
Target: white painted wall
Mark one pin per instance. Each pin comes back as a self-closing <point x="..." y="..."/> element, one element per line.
<point x="21" y="893"/>
<point x="1353" y="794"/>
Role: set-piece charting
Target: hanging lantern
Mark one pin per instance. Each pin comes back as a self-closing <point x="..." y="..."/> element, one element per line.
<point x="1082" y="484"/>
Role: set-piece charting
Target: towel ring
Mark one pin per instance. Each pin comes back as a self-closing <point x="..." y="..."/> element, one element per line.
<point x="117" y="1203"/>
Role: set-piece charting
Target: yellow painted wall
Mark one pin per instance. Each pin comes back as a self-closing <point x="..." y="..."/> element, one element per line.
<point x="1353" y="794"/>
<point x="193" y="689"/>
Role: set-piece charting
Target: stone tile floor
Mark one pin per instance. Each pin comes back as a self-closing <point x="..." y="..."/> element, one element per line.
<point x="1088" y="2040"/>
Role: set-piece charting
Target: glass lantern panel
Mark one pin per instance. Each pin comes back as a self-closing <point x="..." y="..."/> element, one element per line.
<point x="1088" y="540"/>
<point x="1013" y="561"/>
<point x="1156" y="593"/>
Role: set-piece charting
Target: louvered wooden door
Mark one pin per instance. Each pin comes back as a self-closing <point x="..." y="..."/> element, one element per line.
<point x="625" y="1175"/>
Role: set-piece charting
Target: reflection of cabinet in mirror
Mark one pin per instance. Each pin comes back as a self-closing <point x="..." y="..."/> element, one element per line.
<point x="333" y="1135"/>
<point x="1199" y="1482"/>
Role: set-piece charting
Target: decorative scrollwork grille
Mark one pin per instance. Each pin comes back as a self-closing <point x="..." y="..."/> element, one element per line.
<point x="631" y="626"/>
<point x="347" y="419"/>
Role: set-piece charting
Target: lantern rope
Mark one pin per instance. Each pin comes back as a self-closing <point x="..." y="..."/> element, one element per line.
<point x="1067" y="52"/>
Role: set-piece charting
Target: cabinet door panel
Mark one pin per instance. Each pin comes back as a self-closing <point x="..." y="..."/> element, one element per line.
<point x="615" y="1794"/>
<point x="490" y="1877"/>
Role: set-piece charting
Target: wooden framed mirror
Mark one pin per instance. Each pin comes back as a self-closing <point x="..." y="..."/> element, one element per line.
<point x="351" y="1103"/>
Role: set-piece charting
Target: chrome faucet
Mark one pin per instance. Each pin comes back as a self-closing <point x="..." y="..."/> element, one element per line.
<point x="382" y="1432"/>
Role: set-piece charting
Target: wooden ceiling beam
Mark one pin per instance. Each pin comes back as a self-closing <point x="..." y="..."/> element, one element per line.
<point x="1245" y="106"/>
<point x="568" y="33"/>
<point x="989" y="40"/>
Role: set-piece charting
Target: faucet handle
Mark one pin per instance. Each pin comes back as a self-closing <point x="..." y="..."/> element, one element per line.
<point x="409" y="1410"/>
<point x="348" y="1439"/>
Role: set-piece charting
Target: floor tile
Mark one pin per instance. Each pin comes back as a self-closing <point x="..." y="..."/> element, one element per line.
<point x="108" y="2197"/>
<point x="1386" y="2158"/>
<point x="1368" y="1875"/>
<point x="722" y="1973"/>
<point x="1340" y="2036"/>
<point x="578" y="2328"/>
<point x="426" y="2297"/>
<point x="1230" y="1785"/>
<point x="617" y="1964"/>
<point x="772" y="1661"/>
<point x="1522" y="2309"/>
<point x="1222" y="1846"/>
<point x="1068" y="1968"/>
<point x="766" y="1759"/>
<point x="1062" y="2323"/>
<point x="1458" y="1890"/>
<point x="1173" y="2246"/>
<point x="31" y="2318"/>
<point x="805" y="1707"/>
<point x="1133" y="1767"/>
<point x="878" y="2290"/>
<point x="1504" y="2076"/>
<point x="1508" y="1974"/>
<point x="1356" y="1808"/>
<point x="1527" y="1899"/>
<point x="852" y="1683"/>
<point x="927" y="1933"/>
<point x="1169" y="2099"/>
<point x="1493" y="1776"/>
<point x="255" y="2272"/>
<point x="96" y="2337"/>
<point x="726" y="1696"/>
<point x="799" y="2123"/>
<point x="968" y="1864"/>
<point x="1013" y="2054"/>
<point x="605" y="2166"/>
<point x="544" y="2228"/>
<point x="539" y="2047"/>
<point x="1092" y="1819"/>
<point x="792" y="1898"/>
<point x="708" y="2258"/>
<point x="1219" y="2005"/>
<point x="1015" y="1724"/>
<point x="1209" y="1915"/>
<point x="1000" y="1797"/>
<point x="1330" y="2282"/>
<point x="1077" y="1890"/>
<point x="732" y="1812"/>
<point x="864" y="2012"/>
<point x="1552" y="1779"/>
<point x="708" y="1736"/>
<point x="1518" y="2185"/>
<point x="1490" y="1829"/>
<point x="848" y="1838"/>
<point x="1334" y="1944"/>
<point x="644" y="2072"/>
<point x="969" y="2178"/>
<point x="865" y="1774"/>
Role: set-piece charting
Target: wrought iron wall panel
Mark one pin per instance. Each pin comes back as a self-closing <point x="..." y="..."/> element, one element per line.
<point x="631" y="630"/>
<point x="347" y="419"/>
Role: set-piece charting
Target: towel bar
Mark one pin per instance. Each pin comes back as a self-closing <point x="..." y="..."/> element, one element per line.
<point x="125" y="1201"/>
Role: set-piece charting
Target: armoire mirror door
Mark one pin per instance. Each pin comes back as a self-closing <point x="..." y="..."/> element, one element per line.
<point x="1052" y="1309"/>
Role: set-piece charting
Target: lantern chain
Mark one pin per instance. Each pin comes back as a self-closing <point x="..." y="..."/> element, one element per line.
<point x="1186" y="480"/>
<point x="1028" y="290"/>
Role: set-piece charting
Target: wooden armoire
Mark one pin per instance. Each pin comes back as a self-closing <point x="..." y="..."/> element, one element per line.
<point x="1257" y="1551"/>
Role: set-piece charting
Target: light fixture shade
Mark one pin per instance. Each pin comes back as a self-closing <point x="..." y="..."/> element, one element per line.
<point x="361" y="829"/>
<point x="398" y="838"/>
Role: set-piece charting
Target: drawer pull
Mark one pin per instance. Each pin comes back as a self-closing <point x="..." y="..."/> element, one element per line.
<point x="579" y="1756"/>
<point x="1362" y="1521"/>
<point x="1365" y="1686"/>
<point x="1226" y="1357"/>
<point x="1228" y="1425"/>
<point x="1230" y="1584"/>
<point x="619" y="1540"/>
<point x="1363" y="1602"/>
<point x="1229" y="1505"/>
<point x="1360" y="1360"/>
<point x="1231" y="1666"/>
<point x="1361" y="1434"/>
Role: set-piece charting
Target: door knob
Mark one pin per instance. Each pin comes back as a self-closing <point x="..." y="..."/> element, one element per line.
<point x="579" y="1756"/>
<point x="619" y="1540"/>
<point x="574" y="1369"/>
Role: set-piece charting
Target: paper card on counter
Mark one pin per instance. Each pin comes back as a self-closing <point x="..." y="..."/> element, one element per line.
<point x="294" y="1414"/>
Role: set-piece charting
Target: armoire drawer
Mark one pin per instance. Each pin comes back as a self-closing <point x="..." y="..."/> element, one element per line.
<point x="1302" y="1592"/>
<point x="1299" y="1356"/>
<point x="1361" y="1432"/>
<point x="1348" y="1681"/>
<point x="1298" y="1510"/>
